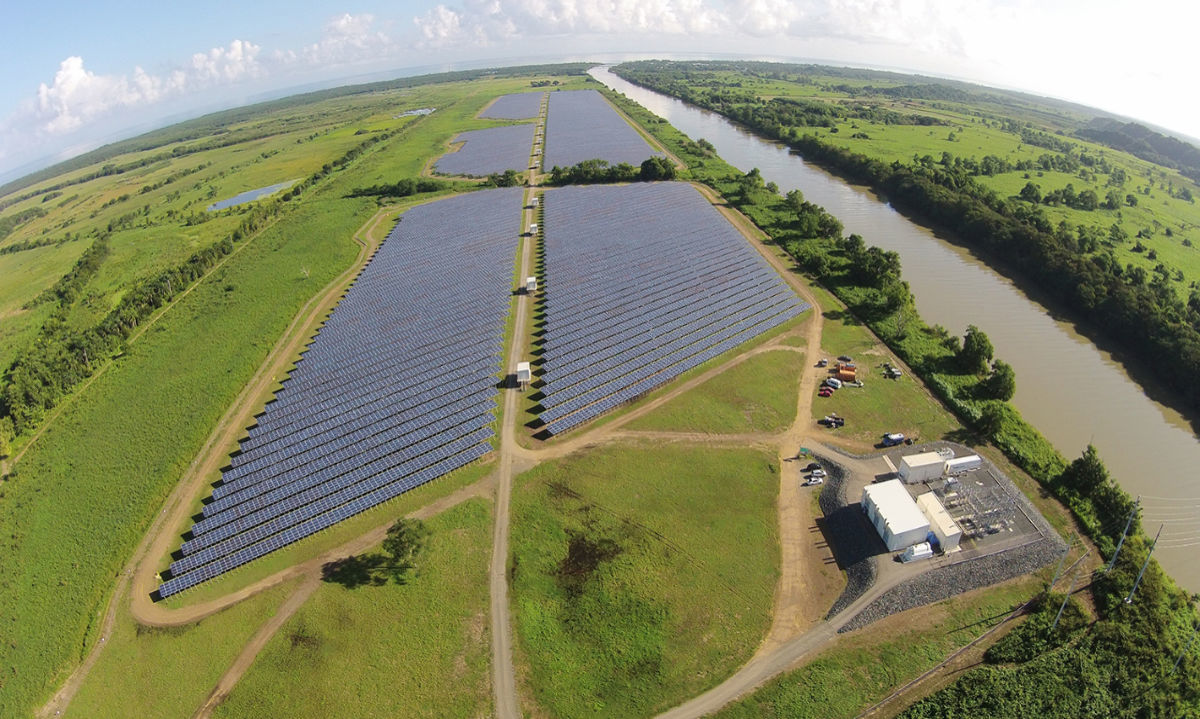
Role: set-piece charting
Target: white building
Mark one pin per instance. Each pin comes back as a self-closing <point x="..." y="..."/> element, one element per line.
<point x="921" y="467"/>
<point x="940" y="522"/>
<point x="531" y="284"/>
<point x="963" y="464"/>
<point x="524" y="374"/>
<point x="895" y="515"/>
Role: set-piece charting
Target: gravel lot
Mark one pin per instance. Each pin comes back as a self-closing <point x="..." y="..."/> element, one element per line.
<point x="945" y="582"/>
<point x="851" y="536"/>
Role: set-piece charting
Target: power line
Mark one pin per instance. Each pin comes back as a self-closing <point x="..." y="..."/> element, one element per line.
<point x="1129" y="599"/>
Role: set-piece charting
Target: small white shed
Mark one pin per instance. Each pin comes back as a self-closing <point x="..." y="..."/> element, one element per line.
<point x="963" y="464"/>
<point x="941" y="523"/>
<point x="921" y="467"/>
<point x="531" y="284"/>
<point x="896" y="517"/>
<point x="524" y="374"/>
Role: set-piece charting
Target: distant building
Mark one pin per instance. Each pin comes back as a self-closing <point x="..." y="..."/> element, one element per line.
<point x="524" y="375"/>
<point x="896" y="517"/>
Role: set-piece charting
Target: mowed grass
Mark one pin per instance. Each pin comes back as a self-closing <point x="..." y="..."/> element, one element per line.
<point x="881" y="405"/>
<point x="415" y="650"/>
<point x="757" y="395"/>
<point x="167" y="672"/>
<point x="864" y="667"/>
<point x="641" y="575"/>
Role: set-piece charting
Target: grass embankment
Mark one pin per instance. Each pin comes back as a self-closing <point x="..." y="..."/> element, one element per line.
<point x="85" y="493"/>
<point x="167" y="672"/>
<point x="864" y="667"/>
<point x="641" y="575"/>
<point x="758" y="395"/>
<point x="419" y="649"/>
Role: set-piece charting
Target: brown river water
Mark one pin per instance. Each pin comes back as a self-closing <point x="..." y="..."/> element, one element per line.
<point x="1069" y="389"/>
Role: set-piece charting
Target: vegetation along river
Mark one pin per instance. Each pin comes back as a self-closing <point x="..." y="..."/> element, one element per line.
<point x="1070" y="390"/>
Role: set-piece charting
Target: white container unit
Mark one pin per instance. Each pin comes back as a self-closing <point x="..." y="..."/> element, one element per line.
<point x="958" y="465"/>
<point x="921" y="467"/>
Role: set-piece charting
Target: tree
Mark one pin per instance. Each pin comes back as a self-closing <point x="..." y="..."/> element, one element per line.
<point x="657" y="168"/>
<point x="405" y="541"/>
<point x="1031" y="193"/>
<point x="991" y="419"/>
<point x="1001" y="384"/>
<point x="1086" y="474"/>
<point x="976" y="351"/>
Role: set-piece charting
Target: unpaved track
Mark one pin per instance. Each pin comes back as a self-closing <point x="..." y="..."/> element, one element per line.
<point x="249" y="652"/>
<point x="504" y="677"/>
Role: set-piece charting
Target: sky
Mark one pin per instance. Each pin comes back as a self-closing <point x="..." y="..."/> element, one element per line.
<point x="77" y="74"/>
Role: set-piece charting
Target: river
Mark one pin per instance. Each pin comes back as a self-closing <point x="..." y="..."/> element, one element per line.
<point x="1070" y="390"/>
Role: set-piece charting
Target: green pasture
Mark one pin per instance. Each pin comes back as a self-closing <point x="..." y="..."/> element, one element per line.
<point x="169" y="671"/>
<point x="757" y="395"/>
<point x="418" y="649"/>
<point x="641" y="575"/>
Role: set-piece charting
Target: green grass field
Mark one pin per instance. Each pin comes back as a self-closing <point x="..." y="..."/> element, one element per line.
<point x="166" y="673"/>
<point x="758" y="395"/>
<point x="863" y="668"/>
<point x="415" y="650"/>
<point x="880" y="405"/>
<point x="626" y="598"/>
<point x="85" y="493"/>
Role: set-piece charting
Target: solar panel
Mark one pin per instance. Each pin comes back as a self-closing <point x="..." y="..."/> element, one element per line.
<point x="643" y="283"/>
<point x="581" y="125"/>
<point x="397" y="388"/>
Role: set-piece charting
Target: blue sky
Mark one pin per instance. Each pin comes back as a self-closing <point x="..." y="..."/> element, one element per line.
<point x="76" y="74"/>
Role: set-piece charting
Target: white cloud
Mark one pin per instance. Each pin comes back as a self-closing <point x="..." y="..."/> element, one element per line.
<point x="348" y="39"/>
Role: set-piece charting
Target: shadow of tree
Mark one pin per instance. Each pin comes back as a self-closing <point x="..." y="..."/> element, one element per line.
<point x="356" y="571"/>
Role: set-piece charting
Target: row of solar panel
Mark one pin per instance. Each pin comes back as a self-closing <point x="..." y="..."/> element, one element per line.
<point x="601" y="373"/>
<point x="492" y="150"/>
<point x="341" y="437"/>
<point x="177" y="584"/>
<point x="517" y="106"/>
<point x="329" y="407"/>
<point x="704" y="315"/>
<point x="640" y="282"/>
<point x="706" y="280"/>
<point x="655" y="312"/>
<point x="581" y="125"/>
<point x="309" y="452"/>
<point x="326" y="486"/>
<point x="367" y="411"/>
<point x="638" y="373"/>
<point x="639" y="388"/>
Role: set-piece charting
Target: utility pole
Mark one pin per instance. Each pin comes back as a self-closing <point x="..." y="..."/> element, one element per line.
<point x="1186" y="649"/>
<point x="1128" y="524"/>
<point x="1063" y="605"/>
<point x="1062" y="561"/>
<point x="1129" y="599"/>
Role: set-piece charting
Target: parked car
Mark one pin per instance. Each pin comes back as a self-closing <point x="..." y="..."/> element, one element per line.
<point x="813" y="481"/>
<point x="891" y="440"/>
<point x="844" y="358"/>
<point x="825" y="392"/>
<point x="811" y="466"/>
<point x="823" y="363"/>
<point x="818" y="473"/>
<point x="833" y="382"/>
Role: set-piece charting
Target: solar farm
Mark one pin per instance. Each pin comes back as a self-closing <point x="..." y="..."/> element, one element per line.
<point x="518" y="106"/>
<point x="581" y="125"/>
<point x="397" y="389"/>
<point x="644" y="282"/>
<point x="494" y="149"/>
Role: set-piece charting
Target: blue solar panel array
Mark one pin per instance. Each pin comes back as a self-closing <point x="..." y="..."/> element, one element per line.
<point x="519" y="106"/>
<point x="581" y="125"/>
<point x="495" y="149"/>
<point x="397" y="389"/>
<point x="643" y="283"/>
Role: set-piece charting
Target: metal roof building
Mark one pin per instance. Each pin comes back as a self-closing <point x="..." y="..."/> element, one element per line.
<point x="921" y="467"/>
<point x="896" y="517"/>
